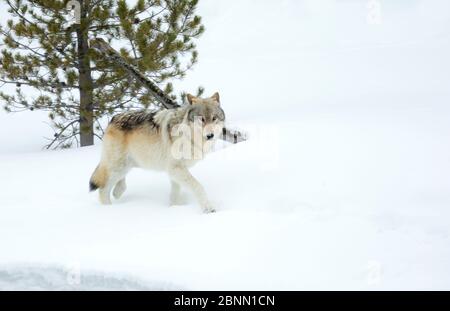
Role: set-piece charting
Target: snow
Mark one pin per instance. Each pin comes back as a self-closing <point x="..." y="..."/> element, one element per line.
<point x="343" y="184"/>
<point x="39" y="277"/>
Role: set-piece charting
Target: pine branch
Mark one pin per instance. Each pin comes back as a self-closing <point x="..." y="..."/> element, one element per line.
<point x="40" y="52"/>
<point x="109" y="52"/>
<point x="229" y="135"/>
<point x="58" y="135"/>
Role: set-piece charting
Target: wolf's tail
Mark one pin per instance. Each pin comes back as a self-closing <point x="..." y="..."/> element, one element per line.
<point x="98" y="178"/>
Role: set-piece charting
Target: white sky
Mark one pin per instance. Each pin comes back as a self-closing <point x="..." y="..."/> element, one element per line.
<point x="275" y="55"/>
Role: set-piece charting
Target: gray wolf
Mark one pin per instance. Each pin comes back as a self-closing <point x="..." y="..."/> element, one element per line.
<point x="171" y="140"/>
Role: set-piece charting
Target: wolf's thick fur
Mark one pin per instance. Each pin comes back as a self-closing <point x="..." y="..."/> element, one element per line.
<point x="148" y="140"/>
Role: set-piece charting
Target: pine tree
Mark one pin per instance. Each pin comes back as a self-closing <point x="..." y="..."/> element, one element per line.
<point x="42" y="49"/>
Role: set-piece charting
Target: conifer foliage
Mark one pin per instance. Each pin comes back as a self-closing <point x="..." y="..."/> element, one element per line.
<point x="43" y="49"/>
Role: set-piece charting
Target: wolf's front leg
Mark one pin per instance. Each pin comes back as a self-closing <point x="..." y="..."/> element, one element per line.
<point x="182" y="176"/>
<point x="175" y="193"/>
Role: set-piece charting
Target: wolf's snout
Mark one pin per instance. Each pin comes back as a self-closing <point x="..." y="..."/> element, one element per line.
<point x="210" y="136"/>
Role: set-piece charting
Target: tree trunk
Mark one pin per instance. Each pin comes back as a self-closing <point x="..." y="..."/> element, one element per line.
<point x="85" y="81"/>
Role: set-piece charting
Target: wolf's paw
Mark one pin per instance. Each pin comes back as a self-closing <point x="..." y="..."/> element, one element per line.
<point x="105" y="202"/>
<point x="208" y="208"/>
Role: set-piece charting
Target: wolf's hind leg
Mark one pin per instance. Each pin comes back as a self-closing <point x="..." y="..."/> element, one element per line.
<point x="104" y="193"/>
<point x="119" y="188"/>
<point x="115" y="179"/>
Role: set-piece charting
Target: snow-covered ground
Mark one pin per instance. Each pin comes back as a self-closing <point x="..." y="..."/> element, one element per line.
<point x="350" y="189"/>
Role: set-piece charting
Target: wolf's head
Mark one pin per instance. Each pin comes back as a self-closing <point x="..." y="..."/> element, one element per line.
<point x="207" y="115"/>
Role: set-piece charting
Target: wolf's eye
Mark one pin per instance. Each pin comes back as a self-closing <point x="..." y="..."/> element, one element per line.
<point x="203" y="119"/>
<point x="214" y="119"/>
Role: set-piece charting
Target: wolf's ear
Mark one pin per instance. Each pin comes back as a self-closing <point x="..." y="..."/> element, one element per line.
<point x="216" y="97"/>
<point x="190" y="98"/>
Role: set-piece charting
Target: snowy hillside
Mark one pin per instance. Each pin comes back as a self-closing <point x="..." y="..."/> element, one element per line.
<point x="344" y="183"/>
